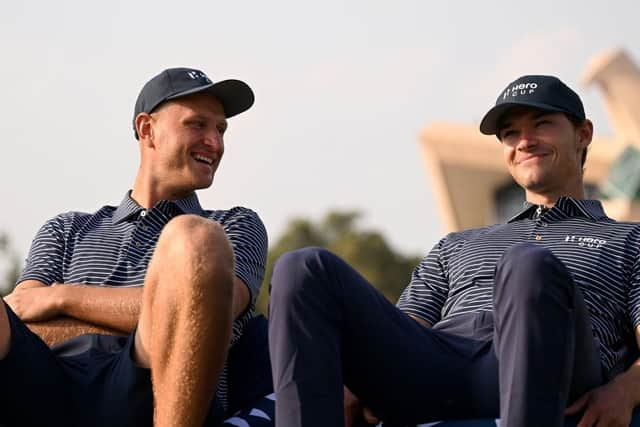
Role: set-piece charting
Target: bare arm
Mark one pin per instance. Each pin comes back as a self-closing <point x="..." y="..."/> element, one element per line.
<point x="118" y="308"/>
<point x="60" y="329"/>
<point x="115" y="308"/>
<point x="63" y="311"/>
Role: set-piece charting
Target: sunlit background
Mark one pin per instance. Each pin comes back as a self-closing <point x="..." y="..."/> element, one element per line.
<point x="343" y="90"/>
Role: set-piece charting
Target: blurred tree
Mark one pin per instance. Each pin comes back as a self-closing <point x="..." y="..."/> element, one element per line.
<point x="11" y="263"/>
<point x="366" y="250"/>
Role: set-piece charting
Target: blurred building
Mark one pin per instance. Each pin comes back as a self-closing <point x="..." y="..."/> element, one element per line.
<point x="473" y="188"/>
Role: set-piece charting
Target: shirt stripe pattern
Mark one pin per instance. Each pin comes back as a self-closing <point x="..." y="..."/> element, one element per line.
<point x="603" y="256"/>
<point x="113" y="247"/>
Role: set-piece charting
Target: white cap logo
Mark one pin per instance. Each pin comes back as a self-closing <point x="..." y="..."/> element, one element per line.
<point x="198" y="75"/>
<point x="520" y="89"/>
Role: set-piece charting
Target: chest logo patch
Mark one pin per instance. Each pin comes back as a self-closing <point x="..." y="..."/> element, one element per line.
<point x="586" y="241"/>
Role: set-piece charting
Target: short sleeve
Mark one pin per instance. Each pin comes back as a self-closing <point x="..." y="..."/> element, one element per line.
<point x="425" y="295"/>
<point x="248" y="237"/>
<point x="44" y="262"/>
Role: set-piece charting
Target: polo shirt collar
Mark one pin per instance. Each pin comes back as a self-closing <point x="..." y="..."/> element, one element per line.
<point x="129" y="207"/>
<point x="591" y="209"/>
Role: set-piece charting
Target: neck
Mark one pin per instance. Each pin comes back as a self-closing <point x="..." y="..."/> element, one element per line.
<point x="147" y="192"/>
<point x="549" y="199"/>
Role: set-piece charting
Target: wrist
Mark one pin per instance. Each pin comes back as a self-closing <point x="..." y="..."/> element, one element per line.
<point x="628" y="383"/>
<point x="59" y="295"/>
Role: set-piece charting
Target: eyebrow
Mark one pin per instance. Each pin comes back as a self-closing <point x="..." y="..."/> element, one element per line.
<point x="536" y="116"/>
<point x="200" y="116"/>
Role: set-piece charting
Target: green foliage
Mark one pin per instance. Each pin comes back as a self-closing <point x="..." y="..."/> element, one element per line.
<point x="12" y="263"/>
<point x="366" y="250"/>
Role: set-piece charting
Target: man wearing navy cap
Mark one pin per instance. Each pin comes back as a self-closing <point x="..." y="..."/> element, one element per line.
<point x="526" y="321"/>
<point x="134" y="355"/>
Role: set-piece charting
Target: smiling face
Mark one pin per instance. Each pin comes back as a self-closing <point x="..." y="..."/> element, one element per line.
<point x="543" y="152"/>
<point x="184" y="144"/>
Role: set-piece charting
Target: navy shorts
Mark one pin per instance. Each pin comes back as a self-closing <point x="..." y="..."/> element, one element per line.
<point x="100" y="385"/>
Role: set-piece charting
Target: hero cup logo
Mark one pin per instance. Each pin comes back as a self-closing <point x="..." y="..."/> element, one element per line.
<point x="520" y="89"/>
<point x="198" y="75"/>
<point x="586" y="241"/>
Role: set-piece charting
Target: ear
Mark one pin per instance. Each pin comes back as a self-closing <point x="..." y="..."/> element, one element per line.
<point x="585" y="134"/>
<point x="144" y="127"/>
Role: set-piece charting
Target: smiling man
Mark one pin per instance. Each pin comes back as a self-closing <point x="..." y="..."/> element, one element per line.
<point x="146" y="298"/>
<point x="527" y="321"/>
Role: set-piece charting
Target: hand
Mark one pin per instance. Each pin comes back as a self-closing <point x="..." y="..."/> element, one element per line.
<point x="608" y="405"/>
<point x="354" y="410"/>
<point x="33" y="302"/>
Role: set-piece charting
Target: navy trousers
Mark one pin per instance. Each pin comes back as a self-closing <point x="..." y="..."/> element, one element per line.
<point x="523" y="362"/>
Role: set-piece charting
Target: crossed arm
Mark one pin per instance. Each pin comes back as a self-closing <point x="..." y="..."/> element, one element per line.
<point x="62" y="311"/>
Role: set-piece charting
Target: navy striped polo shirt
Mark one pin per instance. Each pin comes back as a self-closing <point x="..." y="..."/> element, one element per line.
<point x="113" y="247"/>
<point x="603" y="256"/>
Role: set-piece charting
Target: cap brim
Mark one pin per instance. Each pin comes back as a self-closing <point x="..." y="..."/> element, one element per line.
<point x="235" y="95"/>
<point x="489" y="123"/>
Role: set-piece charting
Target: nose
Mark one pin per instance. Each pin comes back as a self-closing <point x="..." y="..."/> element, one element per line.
<point x="527" y="140"/>
<point x="214" y="140"/>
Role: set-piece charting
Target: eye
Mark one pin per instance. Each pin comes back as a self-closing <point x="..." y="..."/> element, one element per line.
<point x="509" y="133"/>
<point x="196" y="124"/>
<point x="543" y="122"/>
<point x="222" y="128"/>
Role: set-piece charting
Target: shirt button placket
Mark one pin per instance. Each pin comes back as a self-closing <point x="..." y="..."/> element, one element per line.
<point x="145" y="227"/>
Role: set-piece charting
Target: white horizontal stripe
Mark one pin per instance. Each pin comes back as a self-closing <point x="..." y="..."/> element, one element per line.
<point x="113" y="247"/>
<point x="456" y="277"/>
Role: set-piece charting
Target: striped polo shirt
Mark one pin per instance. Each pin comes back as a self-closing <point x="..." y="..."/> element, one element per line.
<point x="603" y="256"/>
<point x="113" y="246"/>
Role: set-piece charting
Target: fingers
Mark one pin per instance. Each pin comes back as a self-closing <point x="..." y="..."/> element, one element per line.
<point x="353" y="410"/>
<point x="369" y="416"/>
<point x="351" y="407"/>
<point x="589" y="419"/>
<point x="578" y="405"/>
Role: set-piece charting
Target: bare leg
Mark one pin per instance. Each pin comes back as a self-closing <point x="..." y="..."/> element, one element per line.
<point x="186" y="318"/>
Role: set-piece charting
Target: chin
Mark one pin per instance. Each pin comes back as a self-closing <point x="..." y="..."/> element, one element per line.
<point x="204" y="184"/>
<point x="531" y="181"/>
<point x="534" y="186"/>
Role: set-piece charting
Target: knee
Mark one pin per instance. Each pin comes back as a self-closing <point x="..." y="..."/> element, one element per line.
<point x="527" y="274"/>
<point x="296" y="272"/>
<point x="188" y="236"/>
<point x="196" y="249"/>
<point x="526" y="260"/>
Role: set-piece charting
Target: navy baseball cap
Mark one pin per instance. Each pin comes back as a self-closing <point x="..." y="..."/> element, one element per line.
<point x="234" y="95"/>
<point x="542" y="92"/>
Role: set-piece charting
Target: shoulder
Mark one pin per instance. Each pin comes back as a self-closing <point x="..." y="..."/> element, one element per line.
<point x="76" y="217"/>
<point x="239" y="220"/>
<point x="462" y="236"/>
<point x="235" y="214"/>
<point x="71" y="220"/>
<point x="628" y="231"/>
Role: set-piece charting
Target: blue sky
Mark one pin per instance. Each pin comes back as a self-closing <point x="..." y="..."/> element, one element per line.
<point x="343" y="89"/>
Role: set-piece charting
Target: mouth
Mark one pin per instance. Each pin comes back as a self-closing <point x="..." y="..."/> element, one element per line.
<point x="201" y="158"/>
<point x="532" y="157"/>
